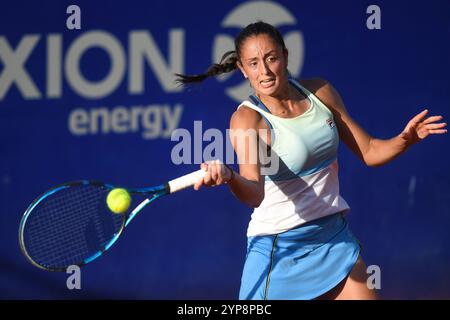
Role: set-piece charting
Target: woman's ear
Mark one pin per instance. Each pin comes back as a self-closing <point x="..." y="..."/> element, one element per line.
<point x="238" y="63"/>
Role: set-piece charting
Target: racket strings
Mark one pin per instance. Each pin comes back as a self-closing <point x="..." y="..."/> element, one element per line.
<point x="70" y="226"/>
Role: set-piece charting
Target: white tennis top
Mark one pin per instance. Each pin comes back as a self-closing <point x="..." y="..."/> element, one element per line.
<point x="306" y="186"/>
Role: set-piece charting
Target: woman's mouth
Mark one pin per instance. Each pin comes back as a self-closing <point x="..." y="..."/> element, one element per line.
<point x="267" y="83"/>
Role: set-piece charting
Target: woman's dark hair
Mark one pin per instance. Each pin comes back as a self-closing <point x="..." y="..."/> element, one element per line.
<point x="229" y="59"/>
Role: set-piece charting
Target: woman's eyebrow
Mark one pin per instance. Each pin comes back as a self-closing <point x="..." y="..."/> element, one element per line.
<point x="265" y="55"/>
<point x="270" y="52"/>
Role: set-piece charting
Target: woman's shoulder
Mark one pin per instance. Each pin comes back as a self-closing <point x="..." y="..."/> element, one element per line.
<point x="322" y="89"/>
<point x="245" y="117"/>
<point x="314" y="85"/>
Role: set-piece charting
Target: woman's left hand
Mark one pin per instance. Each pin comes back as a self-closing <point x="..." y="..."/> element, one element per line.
<point x="418" y="128"/>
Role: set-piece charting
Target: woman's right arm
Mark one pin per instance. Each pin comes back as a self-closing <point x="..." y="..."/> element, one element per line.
<point x="248" y="184"/>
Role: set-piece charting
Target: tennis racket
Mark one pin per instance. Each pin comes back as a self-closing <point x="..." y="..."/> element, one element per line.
<point x="71" y="224"/>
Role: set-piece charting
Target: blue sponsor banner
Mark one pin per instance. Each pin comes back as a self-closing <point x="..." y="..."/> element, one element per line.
<point x="100" y="103"/>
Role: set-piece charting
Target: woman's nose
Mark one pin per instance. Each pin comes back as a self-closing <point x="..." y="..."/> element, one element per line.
<point x="265" y="69"/>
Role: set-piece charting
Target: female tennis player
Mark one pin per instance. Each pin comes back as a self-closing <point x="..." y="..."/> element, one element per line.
<point x="299" y="242"/>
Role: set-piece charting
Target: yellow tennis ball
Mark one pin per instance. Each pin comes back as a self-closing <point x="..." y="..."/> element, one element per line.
<point x="118" y="200"/>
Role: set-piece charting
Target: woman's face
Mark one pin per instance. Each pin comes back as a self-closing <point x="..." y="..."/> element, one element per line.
<point x="264" y="63"/>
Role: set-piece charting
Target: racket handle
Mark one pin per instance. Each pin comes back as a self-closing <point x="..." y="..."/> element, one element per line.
<point x="186" y="181"/>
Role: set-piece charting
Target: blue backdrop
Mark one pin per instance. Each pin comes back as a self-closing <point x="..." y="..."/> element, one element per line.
<point x="100" y="103"/>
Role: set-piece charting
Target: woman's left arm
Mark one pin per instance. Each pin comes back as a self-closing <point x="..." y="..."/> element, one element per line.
<point x="372" y="151"/>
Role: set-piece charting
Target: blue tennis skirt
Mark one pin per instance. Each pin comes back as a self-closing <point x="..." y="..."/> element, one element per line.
<point x="299" y="264"/>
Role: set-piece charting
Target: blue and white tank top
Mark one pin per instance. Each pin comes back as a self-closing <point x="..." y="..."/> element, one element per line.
<point x="306" y="186"/>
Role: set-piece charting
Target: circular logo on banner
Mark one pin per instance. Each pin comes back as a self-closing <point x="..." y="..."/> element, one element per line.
<point x="250" y="12"/>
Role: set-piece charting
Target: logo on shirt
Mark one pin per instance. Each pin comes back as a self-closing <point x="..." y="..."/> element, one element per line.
<point x="330" y="123"/>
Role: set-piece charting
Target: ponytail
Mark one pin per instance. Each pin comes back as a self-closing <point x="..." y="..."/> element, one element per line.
<point x="227" y="64"/>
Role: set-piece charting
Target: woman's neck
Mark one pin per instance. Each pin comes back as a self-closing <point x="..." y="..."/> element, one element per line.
<point x="284" y="103"/>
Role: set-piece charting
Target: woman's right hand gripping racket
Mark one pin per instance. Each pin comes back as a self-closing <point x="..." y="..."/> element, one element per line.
<point x="72" y="224"/>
